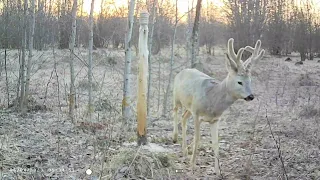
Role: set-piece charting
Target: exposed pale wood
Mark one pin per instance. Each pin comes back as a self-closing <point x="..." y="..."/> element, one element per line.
<point x="142" y="79"/>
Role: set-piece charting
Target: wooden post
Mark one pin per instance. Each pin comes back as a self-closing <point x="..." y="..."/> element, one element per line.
<point x="142" y="79"/>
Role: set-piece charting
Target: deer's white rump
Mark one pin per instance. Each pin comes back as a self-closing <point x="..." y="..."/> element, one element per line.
<point x="206" y="99"/>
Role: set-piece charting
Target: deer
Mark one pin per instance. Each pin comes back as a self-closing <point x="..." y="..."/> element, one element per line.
<point x="206" y="98"/>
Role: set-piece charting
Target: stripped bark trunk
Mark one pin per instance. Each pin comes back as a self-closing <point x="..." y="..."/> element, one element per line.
<point x="142" y="79"/>
<point x="195" y="34"/>
<point x="72" y="94"/>
<point x="126" y="101"/>
<point x="90" y="106"/>
<point x="31" y="37"/>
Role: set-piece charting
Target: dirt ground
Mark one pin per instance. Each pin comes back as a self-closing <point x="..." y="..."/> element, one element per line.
<point x="276" y="136"/>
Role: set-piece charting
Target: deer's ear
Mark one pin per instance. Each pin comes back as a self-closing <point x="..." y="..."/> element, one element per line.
<point x="230" y="64"/>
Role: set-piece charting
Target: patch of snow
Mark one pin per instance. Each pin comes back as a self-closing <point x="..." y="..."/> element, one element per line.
<point x="152" y="147"/>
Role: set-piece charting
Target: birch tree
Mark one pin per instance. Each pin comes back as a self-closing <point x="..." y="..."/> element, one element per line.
<point x="31" y="37"/>
<point x="126" y="101"/>
<point x="90" y="106"/>
<point x="72" y="94"/>
<point x="195" y="33"/>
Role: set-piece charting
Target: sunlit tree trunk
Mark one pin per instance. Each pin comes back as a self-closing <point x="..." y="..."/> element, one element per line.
<point x="126" y="101"/>
<point x="195" y="34"/>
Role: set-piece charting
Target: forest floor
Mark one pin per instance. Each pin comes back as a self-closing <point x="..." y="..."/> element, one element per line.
<point x="274" y="136"/>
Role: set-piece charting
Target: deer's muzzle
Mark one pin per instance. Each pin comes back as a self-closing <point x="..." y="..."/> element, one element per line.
<point x="249" y="98"/>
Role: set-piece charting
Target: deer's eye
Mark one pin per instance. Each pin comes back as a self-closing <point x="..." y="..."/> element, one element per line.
<point x="240" y="83"/>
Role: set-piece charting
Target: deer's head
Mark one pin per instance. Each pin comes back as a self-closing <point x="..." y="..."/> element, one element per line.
<point x="239" y="72"/>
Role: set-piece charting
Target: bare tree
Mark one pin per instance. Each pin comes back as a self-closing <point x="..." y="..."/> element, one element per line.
<point x="195" y="33"/>
<point x="126" y="101"/>
<point x="300" y="33"/>
<point x="310" y="29"/>
<point x="150" y="39"/>
<point x="31" y="37"/>
<point x="246" y="20"/>
<point x="90" y="106"/>
<point x="173" y="39"/>
<point x="276" y="27"/>
<point x="23" y="58"/>
<point x="212" y="31"/>
<point x="72" y="94"/>
<point x="6" y="45"/>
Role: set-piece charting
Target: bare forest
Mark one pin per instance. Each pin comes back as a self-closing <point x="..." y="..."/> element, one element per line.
<point x="86" y="89"/>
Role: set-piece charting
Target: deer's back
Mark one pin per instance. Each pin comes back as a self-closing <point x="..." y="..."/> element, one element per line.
<point x="189" y="86"/>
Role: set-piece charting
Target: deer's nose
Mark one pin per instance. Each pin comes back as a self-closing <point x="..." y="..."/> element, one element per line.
<point x="249" y="98"/>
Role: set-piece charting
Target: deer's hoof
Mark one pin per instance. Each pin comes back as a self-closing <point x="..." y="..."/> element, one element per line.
<point x="217" y="171"/>
<point x="175" y="138"/>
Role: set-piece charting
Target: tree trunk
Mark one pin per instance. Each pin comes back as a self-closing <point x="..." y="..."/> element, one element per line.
<point x="90" y="106"/>
<point x="5" y="50"/>
<point x="302" y="55"/>
<point x="195" y="34"/>
<point x="149" y="54"/>
<point x="31" y="37"/>
<point x="72" y="94"/>
<point x="23" y="59"/>
<point x="126" y="101"/>
<point x="142" y="79"/>
<point x="171" y="61"/>
<point x="188" y="37"/>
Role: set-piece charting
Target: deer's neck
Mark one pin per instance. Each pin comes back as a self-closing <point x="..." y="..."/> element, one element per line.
<point x="226" y="97"/>
<point x="220" y="99"/>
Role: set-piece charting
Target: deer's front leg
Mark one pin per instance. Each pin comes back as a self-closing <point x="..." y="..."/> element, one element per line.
<point x="215" y="145"/>
<point x="196" y="139"/>
<point x="185" y="117"/>
<point x="175" y="124"/>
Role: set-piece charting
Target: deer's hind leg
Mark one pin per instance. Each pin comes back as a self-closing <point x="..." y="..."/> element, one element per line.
<point x="176" y="106"/>
<point x="196" y="139"/>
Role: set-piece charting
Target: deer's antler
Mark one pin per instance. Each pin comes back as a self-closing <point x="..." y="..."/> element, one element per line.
<point x="257" y="54"/>
<point x="235" y="57"/>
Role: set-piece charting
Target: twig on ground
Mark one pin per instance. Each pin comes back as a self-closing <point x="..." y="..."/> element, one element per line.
<point x="134" y="157"/>
<point x="278" y="147"/>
